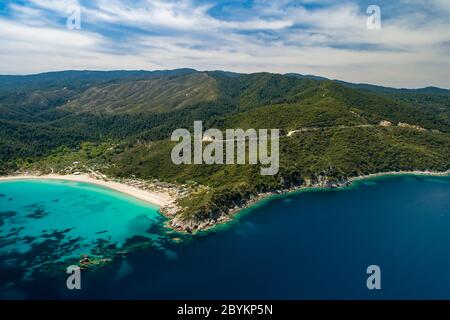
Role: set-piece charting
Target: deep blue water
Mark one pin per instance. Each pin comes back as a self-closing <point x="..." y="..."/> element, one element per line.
<point x="315" y="244"/>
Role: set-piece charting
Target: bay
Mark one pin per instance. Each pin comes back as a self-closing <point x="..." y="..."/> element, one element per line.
<point x="307" y="245"/>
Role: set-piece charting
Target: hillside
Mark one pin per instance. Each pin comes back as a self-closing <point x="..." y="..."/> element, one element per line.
<point x="160" y="94"/>
<point x="119" y="123"/>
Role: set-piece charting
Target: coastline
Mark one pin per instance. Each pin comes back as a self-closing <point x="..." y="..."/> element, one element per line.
<point x="401" y="173"/>
<point x="167" y="202"/>
<point x="160" y="199"/>
<point x="210" y="225"/>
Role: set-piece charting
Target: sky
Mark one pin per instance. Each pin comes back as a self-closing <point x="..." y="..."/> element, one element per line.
<point x="327" y="38"/>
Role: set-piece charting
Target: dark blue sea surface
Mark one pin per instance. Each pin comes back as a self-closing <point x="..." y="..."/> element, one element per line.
<point x="308" y="245"/>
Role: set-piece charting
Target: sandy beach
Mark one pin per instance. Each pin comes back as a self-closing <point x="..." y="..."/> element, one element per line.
<point x="167" y="202"/>
<point x="157" y="198"/>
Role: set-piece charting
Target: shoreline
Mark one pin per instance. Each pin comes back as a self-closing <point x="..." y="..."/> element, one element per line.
<point x="338" y="185"/>
<point x="160" y="199"/>
<point x="401" y="173"/>
<point x="167" y="203"/>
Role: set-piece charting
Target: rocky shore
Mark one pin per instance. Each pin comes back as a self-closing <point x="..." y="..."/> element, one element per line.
<point x="194" y="225"/>
<point x="322" y="182"/>
<point x="166" y="195"/>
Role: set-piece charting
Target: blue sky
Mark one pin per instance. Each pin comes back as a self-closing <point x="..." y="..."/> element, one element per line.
<point x="321" y="37"/>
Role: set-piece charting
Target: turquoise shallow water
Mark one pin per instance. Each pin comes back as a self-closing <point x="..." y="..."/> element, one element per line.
<point x="308" y="245"/>
<point x="46" y="222"/>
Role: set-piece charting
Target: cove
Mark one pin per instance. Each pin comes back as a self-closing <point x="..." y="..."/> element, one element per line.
<point x="307" y="245"/>
<point x="47" y="224"/>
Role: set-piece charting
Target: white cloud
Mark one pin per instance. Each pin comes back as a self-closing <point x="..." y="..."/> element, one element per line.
<point x="42" y="37"/>
<point x="55" y="5"/>
<point x="411" y="50"/>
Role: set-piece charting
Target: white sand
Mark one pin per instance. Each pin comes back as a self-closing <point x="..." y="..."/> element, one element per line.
<point x="158" y="198"/>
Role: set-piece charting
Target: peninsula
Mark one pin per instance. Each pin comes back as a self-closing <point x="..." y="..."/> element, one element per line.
<point x="331" y="133"/>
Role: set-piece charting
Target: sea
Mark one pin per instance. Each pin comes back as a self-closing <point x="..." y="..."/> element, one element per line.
<point x="310" y="244"/>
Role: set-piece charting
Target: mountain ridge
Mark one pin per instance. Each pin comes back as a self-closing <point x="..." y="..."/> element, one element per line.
<point x="119" y="124"/>
<point x="229" y="73"/>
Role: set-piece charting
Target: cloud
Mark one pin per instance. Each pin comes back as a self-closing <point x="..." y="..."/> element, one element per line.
<point x="305" y="36"/>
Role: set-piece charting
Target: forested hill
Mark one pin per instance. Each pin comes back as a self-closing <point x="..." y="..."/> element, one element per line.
<point x="119" y="122"/>
<point x="41" y="112"/>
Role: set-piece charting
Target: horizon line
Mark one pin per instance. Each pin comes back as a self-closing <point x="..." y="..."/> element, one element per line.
<point x="321" y="78"/>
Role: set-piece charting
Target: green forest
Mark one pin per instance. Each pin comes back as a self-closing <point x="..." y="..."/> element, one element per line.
<point x="120" y="123"/>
